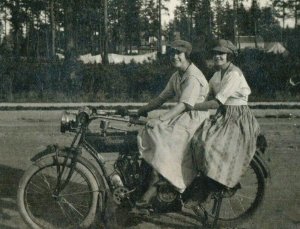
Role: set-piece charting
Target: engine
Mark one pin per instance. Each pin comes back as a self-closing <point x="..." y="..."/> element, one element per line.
<point x="129" y="169"/>
<point x="134" y="175"/>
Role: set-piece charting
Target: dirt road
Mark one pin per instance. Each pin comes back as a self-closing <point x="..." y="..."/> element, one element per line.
<point x="24" y="133"/>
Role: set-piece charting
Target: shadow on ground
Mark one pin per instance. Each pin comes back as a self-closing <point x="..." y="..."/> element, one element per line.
<point x="9" y="179"/>
<point x="118" y="218"/>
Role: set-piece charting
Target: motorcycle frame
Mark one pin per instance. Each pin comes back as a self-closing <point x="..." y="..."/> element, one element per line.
<point x="74" y="150"/>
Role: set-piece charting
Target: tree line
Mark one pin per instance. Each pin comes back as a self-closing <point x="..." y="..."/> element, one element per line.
<point x="39" y="29"/>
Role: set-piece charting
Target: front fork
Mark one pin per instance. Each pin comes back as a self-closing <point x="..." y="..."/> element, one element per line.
<point x="72" y="155"/>
<point x="60" y="169"/>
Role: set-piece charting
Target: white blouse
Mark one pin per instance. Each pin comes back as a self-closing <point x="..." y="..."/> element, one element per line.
<point x="190" y="89"/>
<point x="233" y="89"/>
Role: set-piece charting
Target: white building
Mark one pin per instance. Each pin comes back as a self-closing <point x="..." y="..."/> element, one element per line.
<point x="250" y="42"/>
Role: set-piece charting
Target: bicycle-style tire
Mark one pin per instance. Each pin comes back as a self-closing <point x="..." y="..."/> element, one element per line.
<point x="248" y="198"/>
<point x="76" y="205"/>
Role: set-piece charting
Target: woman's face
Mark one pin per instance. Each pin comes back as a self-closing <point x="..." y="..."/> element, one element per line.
<point x="178" y="58"/>
<point x="220" y="58"/>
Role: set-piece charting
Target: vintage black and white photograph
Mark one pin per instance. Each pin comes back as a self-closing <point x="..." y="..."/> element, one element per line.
<point x="146" y="114"/>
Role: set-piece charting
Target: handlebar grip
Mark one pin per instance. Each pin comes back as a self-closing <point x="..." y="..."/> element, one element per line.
<point x="83" y="118"/>
<point x="137" y="122"/>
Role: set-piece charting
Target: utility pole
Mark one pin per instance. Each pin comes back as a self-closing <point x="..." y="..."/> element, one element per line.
<point x="105" y="37"/>
<point x="52" y="19"/>
<point x="159" y="48"/>
<point x="297" y="8"/>
<point x="235" y="32"/>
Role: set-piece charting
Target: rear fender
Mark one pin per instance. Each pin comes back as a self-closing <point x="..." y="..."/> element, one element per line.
<point x="262" y="164"/>
<point x="262" y="156"/>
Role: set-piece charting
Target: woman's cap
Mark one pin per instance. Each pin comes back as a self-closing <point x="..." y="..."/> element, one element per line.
<point x="224" y="46"/>
<point x="182" y="46"/>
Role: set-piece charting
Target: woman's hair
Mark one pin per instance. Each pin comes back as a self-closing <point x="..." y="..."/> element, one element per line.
<point x="226" y="46"/>
<point x="187" y="56"/>
<point x="231" y="57"/>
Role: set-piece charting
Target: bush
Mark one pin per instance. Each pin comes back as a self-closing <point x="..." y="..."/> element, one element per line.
<point x="45" y="82"/>
<point x="267" y="74"/>
<point x="30" y="81"/>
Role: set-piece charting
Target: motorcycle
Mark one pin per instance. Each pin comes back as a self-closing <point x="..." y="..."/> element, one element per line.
<point x="69" y="187"/>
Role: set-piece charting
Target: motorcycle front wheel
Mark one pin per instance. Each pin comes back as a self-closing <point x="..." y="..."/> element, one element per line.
<point x="42" y="207"/>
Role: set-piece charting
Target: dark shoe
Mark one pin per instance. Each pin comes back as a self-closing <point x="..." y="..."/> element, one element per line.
<point x="140" y="211"/>
<point x="190" y="204"/>
<point x="142" y="204"/>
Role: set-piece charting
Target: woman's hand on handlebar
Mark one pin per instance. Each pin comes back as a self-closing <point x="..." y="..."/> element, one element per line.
<point x="135" y="119"/>
<point x="142" y="111"/>
<point x="151" y="123"/>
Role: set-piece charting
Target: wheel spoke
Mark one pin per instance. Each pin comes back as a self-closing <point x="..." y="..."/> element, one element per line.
<point x="45" y="181"/>
<point x="232" y="208"/>
<point x="72" y="206"/>
<point x="65" y="213"/>
<point x="40" y="188"/>
<point x="246" y="197"/>
<point x="240" y="202"/>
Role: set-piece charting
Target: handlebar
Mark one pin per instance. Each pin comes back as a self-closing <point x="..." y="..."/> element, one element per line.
<point x="73" y="122"/>
<point x="133" y="119"/>
<point x="120" y="114"/>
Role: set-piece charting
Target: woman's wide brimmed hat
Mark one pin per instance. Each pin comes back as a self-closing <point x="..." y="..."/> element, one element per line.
<point x="225" y="46"/>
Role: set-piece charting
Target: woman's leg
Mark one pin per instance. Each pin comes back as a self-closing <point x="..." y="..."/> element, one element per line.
<point x="151" y="191"/>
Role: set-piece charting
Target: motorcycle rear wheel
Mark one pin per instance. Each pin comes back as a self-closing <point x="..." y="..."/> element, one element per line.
<point x="74" y="207"/>
<point x="238" y="205"/>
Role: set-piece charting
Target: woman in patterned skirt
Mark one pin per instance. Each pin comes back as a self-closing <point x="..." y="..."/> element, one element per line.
<point x="164" y="142"/>
<point x="224" y="145"/>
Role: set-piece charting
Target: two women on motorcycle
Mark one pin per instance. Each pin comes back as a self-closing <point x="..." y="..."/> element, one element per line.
<point x="184" y="140"/>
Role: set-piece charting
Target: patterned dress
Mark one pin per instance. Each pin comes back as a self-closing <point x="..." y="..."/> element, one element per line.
<point x="224" y="145"/>
<point x="166" y="146"/>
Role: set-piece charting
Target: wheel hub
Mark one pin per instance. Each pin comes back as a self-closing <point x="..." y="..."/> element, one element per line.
<point x="231" y="192"/>
<point x="57" y="198"/>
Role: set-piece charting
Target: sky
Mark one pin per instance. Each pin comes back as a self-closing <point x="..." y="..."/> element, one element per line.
<point x="247" y="3"/>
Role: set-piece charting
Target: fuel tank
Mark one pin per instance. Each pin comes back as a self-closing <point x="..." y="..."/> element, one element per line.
<point x="113" y="141"/>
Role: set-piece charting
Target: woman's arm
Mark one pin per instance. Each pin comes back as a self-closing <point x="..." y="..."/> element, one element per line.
<point x="211" y="104"/>
<point x="164" y="96"/>
<point x="173" y="112"/>
<point x="152" y="105"/>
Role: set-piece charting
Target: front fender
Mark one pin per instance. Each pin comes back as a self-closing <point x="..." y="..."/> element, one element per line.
<point x="49" y="151"/>
<point x="53" y="150"/>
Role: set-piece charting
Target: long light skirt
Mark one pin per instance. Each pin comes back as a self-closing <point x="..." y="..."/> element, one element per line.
<point x="224" y="145"/>
<point x="166" y="148"/>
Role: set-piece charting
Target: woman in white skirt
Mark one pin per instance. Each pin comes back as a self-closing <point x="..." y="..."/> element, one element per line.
<point x="224" y="145"/>
<point x="165" y="141"/>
